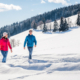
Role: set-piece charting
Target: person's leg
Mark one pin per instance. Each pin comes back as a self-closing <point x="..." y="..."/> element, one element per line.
<point x="31" y="49"/>
<point x="30" y="52"/>
<point x="4" y="53"/>
<point x="5" y="56"/>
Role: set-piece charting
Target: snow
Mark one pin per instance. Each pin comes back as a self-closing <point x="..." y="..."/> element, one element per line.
<point x="56" y="57"/>
<point x="72" y="20"/>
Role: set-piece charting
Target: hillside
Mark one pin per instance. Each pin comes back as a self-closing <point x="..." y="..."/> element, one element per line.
<point x="56" y="14"/>
<point x="72" y="20"/>
<point x="56" y="57"/>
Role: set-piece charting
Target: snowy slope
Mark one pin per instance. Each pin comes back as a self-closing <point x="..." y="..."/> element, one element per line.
<point x="56" y="57"/>
<point x="71" y="21"/>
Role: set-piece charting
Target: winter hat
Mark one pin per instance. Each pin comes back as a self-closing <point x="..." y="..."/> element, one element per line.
<point x="4" y="34"/>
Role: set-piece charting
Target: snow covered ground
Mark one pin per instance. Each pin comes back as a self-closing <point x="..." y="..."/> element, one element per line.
<point x="56" y="57"/>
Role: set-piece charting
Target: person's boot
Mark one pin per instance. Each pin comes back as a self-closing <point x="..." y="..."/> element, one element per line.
<point x="3" y="61"/>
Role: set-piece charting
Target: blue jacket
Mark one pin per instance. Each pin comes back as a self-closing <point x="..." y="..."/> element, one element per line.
<point x="30" y="40"/>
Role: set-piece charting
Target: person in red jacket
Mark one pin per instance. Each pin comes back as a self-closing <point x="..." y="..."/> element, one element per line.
<point x="4" y="43"/>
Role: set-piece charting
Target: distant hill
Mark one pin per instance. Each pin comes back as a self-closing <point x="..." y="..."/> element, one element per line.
<point x="56" y="14"/>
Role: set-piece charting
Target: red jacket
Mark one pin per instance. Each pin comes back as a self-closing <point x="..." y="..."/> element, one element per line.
<point x="4" y="43"/>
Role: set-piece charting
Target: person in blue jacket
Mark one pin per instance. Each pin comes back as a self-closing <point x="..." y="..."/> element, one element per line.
<point x="30" y="40"/>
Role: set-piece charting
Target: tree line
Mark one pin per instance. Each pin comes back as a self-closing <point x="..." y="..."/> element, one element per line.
<point x="44" y="18"/>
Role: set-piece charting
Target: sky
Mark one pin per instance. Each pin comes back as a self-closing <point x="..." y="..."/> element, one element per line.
<point x="18" y="10"/>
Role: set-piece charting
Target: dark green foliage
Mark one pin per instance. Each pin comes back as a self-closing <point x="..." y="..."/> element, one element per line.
<point x="78" y="19"/>
<point x="63" y="25"/>
<point x="35" y="26"/>
<point x="66" y="25"/>
<point x="44" y="27"/>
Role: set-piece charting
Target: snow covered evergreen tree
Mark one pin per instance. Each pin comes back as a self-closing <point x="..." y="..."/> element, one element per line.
<point x="55" y="26"/>
<point x="66" y="25"/>
<point x="78" y="19"/>
<point x="62" y="28"/>
<point x="35" y="26"/>
<point x="44" y="27"/>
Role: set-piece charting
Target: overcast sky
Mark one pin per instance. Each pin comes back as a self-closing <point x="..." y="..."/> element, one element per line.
<point x="17" y="10"/>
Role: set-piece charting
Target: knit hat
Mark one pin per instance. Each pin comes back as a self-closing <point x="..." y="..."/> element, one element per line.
<point x="4" y="34"/>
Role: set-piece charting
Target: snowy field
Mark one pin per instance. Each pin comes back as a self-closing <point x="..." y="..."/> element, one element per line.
<point x="56" y="57"/>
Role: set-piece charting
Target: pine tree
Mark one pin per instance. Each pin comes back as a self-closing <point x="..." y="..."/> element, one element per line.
<point x="66" y="25"/>
<point x="35" y="26"/>
<point x="63" y="25"/>
<point x="78" y="20"/>
<point x="44" y="27"/>
<point x="15" y="30"/>
<point x="55" y="26"/>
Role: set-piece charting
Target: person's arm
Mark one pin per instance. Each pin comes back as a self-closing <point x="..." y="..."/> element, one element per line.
<point x="9" y="45"/>
<point x="25" y="42"/>
<point x="0" y="44"/>
<point x="35" y="41"/>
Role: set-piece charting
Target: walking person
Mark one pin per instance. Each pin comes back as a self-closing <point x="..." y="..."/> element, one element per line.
<point x="30" y="40"/>
<point x="4" y="43"/>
